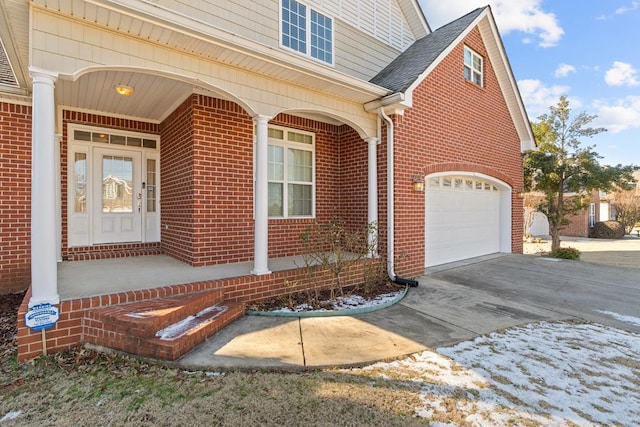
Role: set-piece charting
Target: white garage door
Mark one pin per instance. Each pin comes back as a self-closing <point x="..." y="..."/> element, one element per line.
<point x="462" y="219"/>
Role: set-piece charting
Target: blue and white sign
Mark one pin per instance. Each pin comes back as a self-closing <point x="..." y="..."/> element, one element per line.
<point x="41" y="316"/>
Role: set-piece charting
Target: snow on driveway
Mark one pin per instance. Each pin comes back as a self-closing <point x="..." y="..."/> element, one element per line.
<point x="560" y="374"/>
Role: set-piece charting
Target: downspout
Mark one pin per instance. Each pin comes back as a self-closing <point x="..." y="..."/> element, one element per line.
<point x="390" y="202"/>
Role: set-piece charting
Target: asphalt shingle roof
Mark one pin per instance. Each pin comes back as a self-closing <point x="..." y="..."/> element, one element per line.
<point x="400" y="74"/>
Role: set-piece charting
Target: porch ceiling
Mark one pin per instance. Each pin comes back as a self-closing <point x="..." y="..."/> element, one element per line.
<point x="153" y="97"/>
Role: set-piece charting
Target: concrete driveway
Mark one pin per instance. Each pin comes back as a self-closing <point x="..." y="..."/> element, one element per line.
<point x="452" y="304"/>
<point x="458" y="303"/>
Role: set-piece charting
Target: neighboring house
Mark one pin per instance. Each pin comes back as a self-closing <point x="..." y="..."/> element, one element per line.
<point x="220" y="133"/>
<point x="580" y="224"/>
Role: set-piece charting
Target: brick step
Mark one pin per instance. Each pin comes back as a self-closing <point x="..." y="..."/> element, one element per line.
<point x="169" y="342"/>
<point x="144" y="318"/>
<point x="197" y="331"/>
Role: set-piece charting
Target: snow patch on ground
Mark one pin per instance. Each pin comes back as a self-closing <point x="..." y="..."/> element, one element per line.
<point x="627" y="319"/>
<point x="10" y="416"/>
<point x="346" y="303"/>
<point x="559" y="374"/>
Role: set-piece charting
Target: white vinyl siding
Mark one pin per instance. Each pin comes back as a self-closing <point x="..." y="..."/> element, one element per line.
<point x="259" y="20"/>
<point x="256" y="20"/>
<point x="360" y="55"/>
<point x="382" y="19"/>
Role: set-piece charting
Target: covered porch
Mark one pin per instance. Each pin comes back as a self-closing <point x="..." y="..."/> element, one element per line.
<point x="82" y="279"/>
<point x="194" y="141"/>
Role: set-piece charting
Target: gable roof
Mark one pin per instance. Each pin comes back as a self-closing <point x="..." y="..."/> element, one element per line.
<point x="412" y="66"/>
<point x="400" y="74"/>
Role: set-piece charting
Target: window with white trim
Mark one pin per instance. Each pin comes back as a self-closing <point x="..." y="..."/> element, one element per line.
<point x="306" y="31"/>
<point x="473" y="64"/>
<point x="291" y="172"/>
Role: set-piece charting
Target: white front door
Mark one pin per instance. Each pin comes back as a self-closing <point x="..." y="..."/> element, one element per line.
<point x="117" y="206"/>
<point x="113" y="187"/>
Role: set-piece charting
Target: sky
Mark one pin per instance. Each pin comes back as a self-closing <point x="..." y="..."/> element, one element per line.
<point x="586" y="50"/>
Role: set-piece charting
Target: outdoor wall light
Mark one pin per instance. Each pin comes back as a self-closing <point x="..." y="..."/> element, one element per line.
<point x="124" y="90"/>
<point x="418" y="183"/>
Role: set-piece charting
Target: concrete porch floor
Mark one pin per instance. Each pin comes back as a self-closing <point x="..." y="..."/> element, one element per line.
<point x="80" y="279"/>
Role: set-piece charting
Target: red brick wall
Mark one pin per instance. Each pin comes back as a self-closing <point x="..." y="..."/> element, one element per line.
<point x="207" y="182"/>
<point x="222" y="183"/>
<point x="453" y="125"/>
<point x="353" y="178"/>
<point x="578" y="225"/>
<point x="176" y="179"/>
<point x="15" y="197"/>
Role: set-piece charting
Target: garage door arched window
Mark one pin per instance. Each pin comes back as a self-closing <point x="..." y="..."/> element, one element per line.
<point x="460" y="183"/>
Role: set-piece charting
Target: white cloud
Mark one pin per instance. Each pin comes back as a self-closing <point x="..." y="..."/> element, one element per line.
<point x="620" y="115"/>
<point x="538" y="98"/>
<point x="563" y="70"/>
<point x="624" y="9"/>
<point x="621" y="74"/>
<point x="526" y="16"/>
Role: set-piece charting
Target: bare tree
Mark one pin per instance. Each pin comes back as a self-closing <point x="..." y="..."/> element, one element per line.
<point x="626" y="205"/>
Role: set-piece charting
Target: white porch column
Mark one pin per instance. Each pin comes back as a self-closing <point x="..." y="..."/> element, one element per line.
<point x="44" y="278"/>
<point x="372" y="195"/>
<point x="261" y="198"/>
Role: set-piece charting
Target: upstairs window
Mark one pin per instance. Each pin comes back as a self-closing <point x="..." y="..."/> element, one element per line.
<point x="307" y="31"/>
<point x="473" y="64"/>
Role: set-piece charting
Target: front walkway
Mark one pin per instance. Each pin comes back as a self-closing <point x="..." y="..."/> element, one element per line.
<point x="79" y="279"/>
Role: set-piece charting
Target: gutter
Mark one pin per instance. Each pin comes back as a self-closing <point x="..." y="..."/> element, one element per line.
<point x="390" y="202"/>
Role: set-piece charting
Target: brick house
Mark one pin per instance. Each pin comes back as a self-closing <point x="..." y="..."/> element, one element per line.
<point x="580" y="224"/>
<point x="214" y="136"/>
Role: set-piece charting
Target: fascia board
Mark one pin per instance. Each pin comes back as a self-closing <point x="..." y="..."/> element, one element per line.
<point x="508" y="84"/>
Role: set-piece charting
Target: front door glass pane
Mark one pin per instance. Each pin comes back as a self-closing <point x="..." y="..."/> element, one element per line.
<point x="117" y="184"/>
<point x="80" y="184"/>
<point x="151" y="185"/>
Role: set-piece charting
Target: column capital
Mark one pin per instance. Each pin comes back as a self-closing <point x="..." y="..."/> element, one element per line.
<point x="261" y="118"/>
<point x="41" y="75"/>
<point x="372" y="140"/>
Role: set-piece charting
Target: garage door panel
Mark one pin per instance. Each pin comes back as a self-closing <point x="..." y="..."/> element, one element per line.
<point x="461" y="223"/>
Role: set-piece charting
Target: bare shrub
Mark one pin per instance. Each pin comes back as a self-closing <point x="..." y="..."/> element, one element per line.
<point x="607" y="230"/>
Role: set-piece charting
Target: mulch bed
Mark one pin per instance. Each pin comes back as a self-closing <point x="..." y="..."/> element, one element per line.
<point x="321" y="299"/>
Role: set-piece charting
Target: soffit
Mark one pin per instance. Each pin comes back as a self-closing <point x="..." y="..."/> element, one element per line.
<point x="152" y="99"/>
